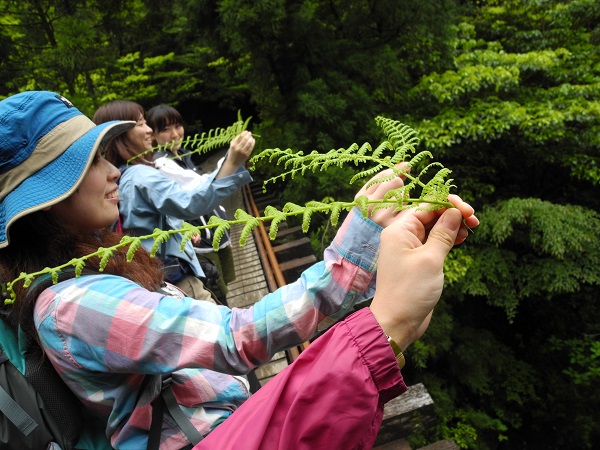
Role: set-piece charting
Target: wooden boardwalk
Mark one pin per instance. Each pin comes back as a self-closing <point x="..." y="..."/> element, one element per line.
<point x="250" y="284"/>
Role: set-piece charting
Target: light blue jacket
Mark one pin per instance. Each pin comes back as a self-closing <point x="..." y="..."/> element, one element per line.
<point x="146" y="195"/>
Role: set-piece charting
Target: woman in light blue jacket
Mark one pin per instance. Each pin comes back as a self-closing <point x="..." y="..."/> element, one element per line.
<point x="149" y="199"/>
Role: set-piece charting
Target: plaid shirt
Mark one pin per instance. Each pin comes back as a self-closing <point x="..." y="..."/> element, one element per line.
<point x="104" y="334"/>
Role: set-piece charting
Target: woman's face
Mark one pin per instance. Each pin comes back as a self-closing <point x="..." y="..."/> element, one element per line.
<point x="94" y="205"/>
<point x="140" y="137"/>
<point x="170" y="134"/>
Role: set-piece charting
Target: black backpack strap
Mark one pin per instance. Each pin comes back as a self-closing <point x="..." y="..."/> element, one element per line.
<point x="11" y="409"/>
<point x="156" y="424"/>
<point x="167" y="398"/>
<point x="184" y="424"/>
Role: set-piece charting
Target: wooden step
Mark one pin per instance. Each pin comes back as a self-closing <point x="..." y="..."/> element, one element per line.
<point x="298" y="262"/>
<point x="281" y="232"/>
<point x="291" y="244"/>
<point x="447" y="444"/>
<point x="406" y="413"/>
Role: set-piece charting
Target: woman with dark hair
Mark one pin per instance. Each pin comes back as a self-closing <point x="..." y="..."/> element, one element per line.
<point x="112" y="337"/>
<point x="176" y="163"/>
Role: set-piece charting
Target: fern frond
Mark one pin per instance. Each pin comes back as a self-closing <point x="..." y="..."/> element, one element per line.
<point x="27" y="279"/>
<point x="438" y="189"/>
<point x="311" y="208"/>
<point x="401" y="136"/>
<point x="219" y="232"/>
<point x="54" y="275"/>
<point x="364" y="149"/>
<point x="397" y="197"/>
<point x="79" y="266"/>
<point x="419" y="157"/>
<point x="402" y="140"/>
<point x="290" y="207"/>
<point x="363" y="204"/>
<point x="134" y="244"/>
<point x="385" y="145"/>
<point x="222" y="226"/>
<point x="188" y="231"/>
<point x="380" y="180"/>
<point x="334" y="214"/>
<point x="105" y="255"/>
<point x="318" y="206"/>
<point x="160" y="237"/>
<point x="186" y="236"/>
<point x="250" y="223"/>
<point x="242" y="215"/>
<point x="215" y="138"/>
<point x="277" y="217"/>
<point x="308" y="212"/>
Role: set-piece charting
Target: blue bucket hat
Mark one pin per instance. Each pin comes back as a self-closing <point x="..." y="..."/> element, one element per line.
<point x="46" y="148"/>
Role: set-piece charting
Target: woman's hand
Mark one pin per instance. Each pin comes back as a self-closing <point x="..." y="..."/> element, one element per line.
<point x="386" y="216"/>
<point x="240" y="150"/>
<point x="410" y="274"/>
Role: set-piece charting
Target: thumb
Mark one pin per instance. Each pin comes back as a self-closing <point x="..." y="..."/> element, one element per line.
<point x="443" y="234"/>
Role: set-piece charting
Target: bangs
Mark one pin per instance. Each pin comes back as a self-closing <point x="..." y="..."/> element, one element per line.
<point x="161" y="116"/>
<point x="118" y="110"/>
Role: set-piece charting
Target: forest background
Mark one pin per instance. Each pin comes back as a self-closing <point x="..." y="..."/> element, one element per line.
<point x="504" y="93"/>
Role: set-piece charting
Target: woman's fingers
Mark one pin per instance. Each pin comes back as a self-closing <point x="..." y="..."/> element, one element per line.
<point x="465" y="209"/>
<point x="428" y="217"/>
<point x="378" y="190"/>
<point x="386" y="216"/>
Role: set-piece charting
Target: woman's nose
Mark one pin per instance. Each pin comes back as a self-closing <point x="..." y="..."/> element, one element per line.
<point x="113" y="172"/>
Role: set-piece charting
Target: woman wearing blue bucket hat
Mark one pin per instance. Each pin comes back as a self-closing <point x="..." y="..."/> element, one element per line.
<point x="113" y="336"/>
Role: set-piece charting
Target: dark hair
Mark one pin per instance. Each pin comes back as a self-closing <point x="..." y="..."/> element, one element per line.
<point x="161" y="116"/>
<point x="38" y="240"/>
<point x="119" y="150"/>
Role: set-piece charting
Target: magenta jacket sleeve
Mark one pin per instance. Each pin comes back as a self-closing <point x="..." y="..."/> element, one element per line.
<point x="332" y="396"/>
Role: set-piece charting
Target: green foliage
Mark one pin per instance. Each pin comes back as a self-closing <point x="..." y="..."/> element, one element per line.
<point x="520" y="105"/>
<point x="533" y="248"/>
<point x="463" y="425"/>
<point x="516" y="115"/>
<point x="324" y="69"/>
<point x="457" y="429"/>
<point x="130" y="78"/>
<point x="456" y="266"/>
<point x="584" y="359"/>
<point x="250" y="223"/>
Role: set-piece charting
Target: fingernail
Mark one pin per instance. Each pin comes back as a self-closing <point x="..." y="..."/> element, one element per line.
<point x="451" y="218"/>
